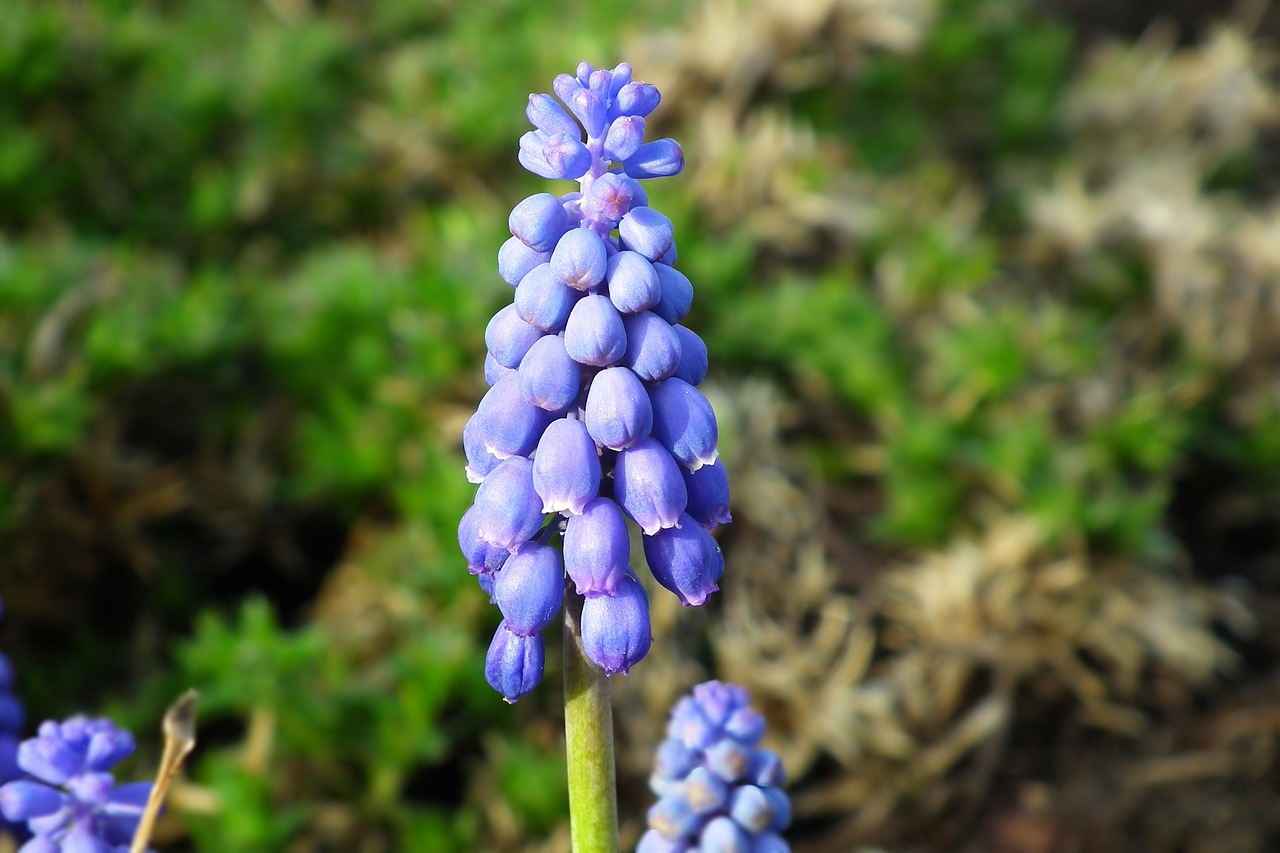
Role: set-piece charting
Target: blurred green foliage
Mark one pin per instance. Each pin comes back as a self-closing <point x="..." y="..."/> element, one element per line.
<point x="266" y="231"/>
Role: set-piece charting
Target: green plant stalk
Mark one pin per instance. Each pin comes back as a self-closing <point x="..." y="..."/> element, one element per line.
<point x="588" y="733"/>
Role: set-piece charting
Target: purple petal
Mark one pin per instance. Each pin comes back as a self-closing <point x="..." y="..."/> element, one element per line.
<point x="539" y="221"/>
<point x="580" y="259"/>
<point x="513" y="665"/>
<point x="684" y="422"/>
<point x="618" y="412"/>
<point x="482" y="558"/>
<point x="686" y="560"/>
<point x="633" y="283"/>
<point x="530" y="589"/>
<point x="611" y="196"/>
<point x="505" y="423"/>
<point x="558" y="157"/>
<point x="508" y="337"/>
<point x="653" y="346"/>
<point x="647" y="232"/>
<point x="693" y="356"/>
<point x="548" y="378"/>
<point x="597" y="548"/>
<point x="648" y="486"/>
<point x="624" y="137"/>
<point x="543" y="300"/>
<point x="594" y="334"/>
<point x="546" y="114"/>
<point x="566" y="467"/>
<point x="508" y="510"/>
<point x="676" y="295"/>
<point x="637" y="99"/>
<point x="22" y="800"/>
<point x="616" y="633"/>
<point x="658" y="159"/>
<point x="515" y="259"/>
<point x="708" y="489"/>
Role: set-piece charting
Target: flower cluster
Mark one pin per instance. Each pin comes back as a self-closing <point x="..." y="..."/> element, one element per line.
<point x="11" y="720"/>
<point x="71" y="802"/>
<point x="593" y="411"/>
<point x="717" y="791"/>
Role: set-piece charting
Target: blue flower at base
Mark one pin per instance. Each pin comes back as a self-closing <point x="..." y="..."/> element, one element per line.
<point x="593" y="413"/>
<point x="718" y="792"/>
<point x="70" y="802"/>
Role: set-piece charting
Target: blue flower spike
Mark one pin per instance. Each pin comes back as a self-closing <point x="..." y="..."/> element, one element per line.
<point x="709" y="799"/>
<point x="70" y="802"/>
<point x="593" y="415"/>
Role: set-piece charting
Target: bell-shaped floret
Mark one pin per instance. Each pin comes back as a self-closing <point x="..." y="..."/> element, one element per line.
<point x="508" y="337"/>
<point x="618" y="412"/>
<point x="495" y="372"/>
<point x="686" y="560"/>
<point x="559" y="156"/>
<point x="580" y="259"/>
<point x="594" y="334"/>
<point x="633" y="284"/>
<point x="530" y="589"/>
<point x="566" y="467"/>
<point x="708" y="489"/>
<point x="722" y="835"/>
<point x="621" y="77"/>
<point x="652" y="842"/>
<point x="507" y="507"/>
<point x="482" y="558"/>
<point x="766" y="769"/>
<point x="479" y="460"/>
<point x="673" y="817"/>
<point x="590" y="106"/>
<point x="616" y="633"/>
<point x="745" y="725"/>
<point x="548" y="378"/>
<point x="545" y="113"/>
<point x="705" y="791"/>
<point x="543" y="300"/>
<point x="676" y="294"/>
<point x="597" y="548"/>
<point x="693" y="356"/>
<point x="625" y="135"/>
<point x="684" y="423"/>
<point x="505" y="423"/>
<point x="636" y="99"/>
<point x="23" y="800"/>
<point x="728" y="759"/>
<point x="515" y="259"/>
<point x="610" y="197"/>
<point x="539" y="221"/>
<point x="646" y="232"/>
<point x="658" y="159"/>
<point x="653" y="346"/>
<point x="751" y="809"/>
<point x="514" y="664"/>
<point x="648" y="486"/>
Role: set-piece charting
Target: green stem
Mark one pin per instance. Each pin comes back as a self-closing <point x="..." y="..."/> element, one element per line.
<point x="588" y="731"/>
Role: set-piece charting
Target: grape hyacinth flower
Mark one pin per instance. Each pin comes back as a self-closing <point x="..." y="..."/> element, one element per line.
<point x="718" y="792"/>
<point x="593" y="413"/>
<point x="11" y="721"/>
<point x="70" y="802"/>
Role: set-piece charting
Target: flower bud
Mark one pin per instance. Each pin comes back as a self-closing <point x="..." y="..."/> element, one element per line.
<point x="616" y="633"/>
<point x="508" y="509"/>
<point x="708" y="489"/>
<point x="580" y="259"/>
<point x="658" y="159"/>
<point x="594" y="334"/>
<point x="539" y="221"/>
<point x="648" y="486"/>
<point x="675" y="293"/>
<point x="692" y="367"/>
<point x="546" y="114"/>
<point x="543" y="300"/>
<point x="684" y="423"/>
<point x="566" y="467"/>
<point x="482" y="558"/>
<point x="548" y="378"/>
<point x="597" y="548"/>
<point x="611" y="196"/>
<point x="557" y="156"/>
<point x="618" y="412"/>
<point x="653" y="346"/>
<point x="722" y="835"/>
<point x="686" y="560"/>
<point x="637" y="99"/>
<point x="589" y="107"/>
<point x="505" y="423"/>
<point x="22" y="800"/>
<point x="633" y="284"/>
<point x="515" y="259"/>
<point x="508" y="337"/>
<point x="530" y="589"/>
<point x="624" y="137"/>
<point x="514" y="664"/>
<point x="647" y="232"/>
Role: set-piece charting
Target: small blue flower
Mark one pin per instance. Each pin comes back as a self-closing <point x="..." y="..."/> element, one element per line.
<point x="717" y="790"/>
<point x="70" y="802"/>
<point x="593" y="413"/>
